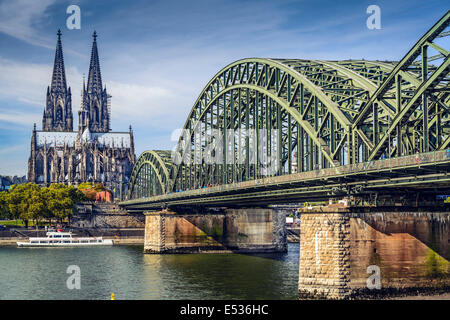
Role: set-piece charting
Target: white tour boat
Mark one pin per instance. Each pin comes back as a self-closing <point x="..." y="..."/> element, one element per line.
<point x="64" y="239"/>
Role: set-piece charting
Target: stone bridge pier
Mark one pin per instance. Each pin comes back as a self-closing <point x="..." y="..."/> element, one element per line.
<point x="346" y="253"/>
<point x="243" y="230"/>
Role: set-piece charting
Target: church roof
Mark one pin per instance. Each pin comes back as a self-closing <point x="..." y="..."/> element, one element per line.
<point x="113" y="139"/>
<point x="50" y="137"/>
<point x="116" y="139"/>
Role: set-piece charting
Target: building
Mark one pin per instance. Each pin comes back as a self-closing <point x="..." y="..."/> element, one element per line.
<point x="7" y="181"/>
<point x="93" y="153"/>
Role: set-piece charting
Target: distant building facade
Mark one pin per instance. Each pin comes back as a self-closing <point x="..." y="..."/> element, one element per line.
<point x="93" y="153"/>
<point x="7" y="181"/>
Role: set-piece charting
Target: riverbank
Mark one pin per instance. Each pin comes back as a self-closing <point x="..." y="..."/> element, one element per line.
<point x="117" y="241"/>
<point x="444" y="296"/>
<point x="120" y="236"/>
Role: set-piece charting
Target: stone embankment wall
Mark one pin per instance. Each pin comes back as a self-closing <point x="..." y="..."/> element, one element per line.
<point x="235" y="230"/>
<point x="106" y="215"/>
<point x="340" y="250"/>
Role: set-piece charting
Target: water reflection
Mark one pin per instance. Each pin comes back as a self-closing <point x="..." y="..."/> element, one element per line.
<point x="40" y="273"/>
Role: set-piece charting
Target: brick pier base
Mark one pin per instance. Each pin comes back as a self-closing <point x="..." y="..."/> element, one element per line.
<point x="340" y="247"/>
<point x="232" y="230"/>
<point x="324" y="271"/>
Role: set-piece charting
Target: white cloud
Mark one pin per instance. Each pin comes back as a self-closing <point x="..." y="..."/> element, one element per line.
<point x="24" y="80"/>
<point x="9" y="149"/>
<point x="134" y="101"/>
<point x="20" y="118"/>
<point x="13" y="160"/>
<point x="27" y="82"/>
<point x="20" y="19"/>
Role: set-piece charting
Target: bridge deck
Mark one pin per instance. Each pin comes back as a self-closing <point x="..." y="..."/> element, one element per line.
<point x="422" y="171"/>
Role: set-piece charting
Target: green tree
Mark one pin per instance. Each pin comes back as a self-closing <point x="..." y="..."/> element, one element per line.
<point x="61" y="200"/>
<point x="85" y="185"/>
<point x="24" y="202"/>
<point x="37" y="207"/>
<point x="31" y="202"/>
<point x="4" y="208"/>
<point x="14" y="199"/>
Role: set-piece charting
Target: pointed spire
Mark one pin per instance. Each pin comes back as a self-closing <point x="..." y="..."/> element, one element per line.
<point x="95" y="78"/>
<point x="59" y="75"/>
<point x="83" y="90"/>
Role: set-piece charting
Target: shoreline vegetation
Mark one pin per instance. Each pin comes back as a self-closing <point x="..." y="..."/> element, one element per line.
<point x="31" y="205"/>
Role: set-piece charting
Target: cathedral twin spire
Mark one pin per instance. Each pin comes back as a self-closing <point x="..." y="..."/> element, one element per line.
<point x="58" y="110"/>
<point x="94" y="112"/>
<point x="95" y="77"/>
<point x="59" y="75"/>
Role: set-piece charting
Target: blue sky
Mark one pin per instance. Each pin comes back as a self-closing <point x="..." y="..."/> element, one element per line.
<point x="156" y="56"/>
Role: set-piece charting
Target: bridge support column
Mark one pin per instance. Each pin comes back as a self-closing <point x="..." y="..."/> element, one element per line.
<point x="324" y="270"/>
<point x="256" y="230"/>
<point x="354" y="252"/>
<point x="154" y="240"/>
<point x="172" y="232"/>
<point x="231" y="230"/>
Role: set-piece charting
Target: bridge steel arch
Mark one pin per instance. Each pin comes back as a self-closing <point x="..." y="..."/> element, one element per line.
<point x="311" y="114"/>
<point x="417" y="91"/>
<point x="150" y="175"/>
<point x="309" y="103"/>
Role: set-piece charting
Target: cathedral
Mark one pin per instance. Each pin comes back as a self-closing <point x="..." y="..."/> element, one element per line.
<point x="94" y="153"/>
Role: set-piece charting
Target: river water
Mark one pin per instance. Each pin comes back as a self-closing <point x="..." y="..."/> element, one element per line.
<point x="41" y="273"/>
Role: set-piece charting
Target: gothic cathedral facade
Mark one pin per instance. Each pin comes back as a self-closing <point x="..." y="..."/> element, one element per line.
<point x="94" y="153"/>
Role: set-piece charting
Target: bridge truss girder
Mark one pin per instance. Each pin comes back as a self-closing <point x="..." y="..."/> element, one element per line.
<point x="314" y="115"/>
<point x="150" y="175"/>
<point x="418" y="94"/>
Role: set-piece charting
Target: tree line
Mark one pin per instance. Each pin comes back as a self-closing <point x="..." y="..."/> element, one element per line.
<point x="29" y="202"/>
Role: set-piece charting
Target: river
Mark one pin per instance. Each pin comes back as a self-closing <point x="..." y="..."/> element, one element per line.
<point x="41" y="273"/>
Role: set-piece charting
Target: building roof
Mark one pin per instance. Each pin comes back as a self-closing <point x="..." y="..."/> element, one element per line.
<point x="116" y="139"/>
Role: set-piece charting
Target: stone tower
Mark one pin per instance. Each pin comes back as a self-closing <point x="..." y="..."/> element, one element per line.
<point x="58" y="110"/>
<point x="94" y="111"/>
<point x="92" y="153"/>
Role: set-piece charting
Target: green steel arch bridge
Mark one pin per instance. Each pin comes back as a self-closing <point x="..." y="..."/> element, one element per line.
<point x="329" y="128"/>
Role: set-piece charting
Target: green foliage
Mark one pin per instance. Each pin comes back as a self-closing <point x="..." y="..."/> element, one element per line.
<point x="99" y="187"/>
<point x="436" y="266"/>
<point x="4" y="208"/>
<point x="31" y="202"/>
<point x="85" y="185"/>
